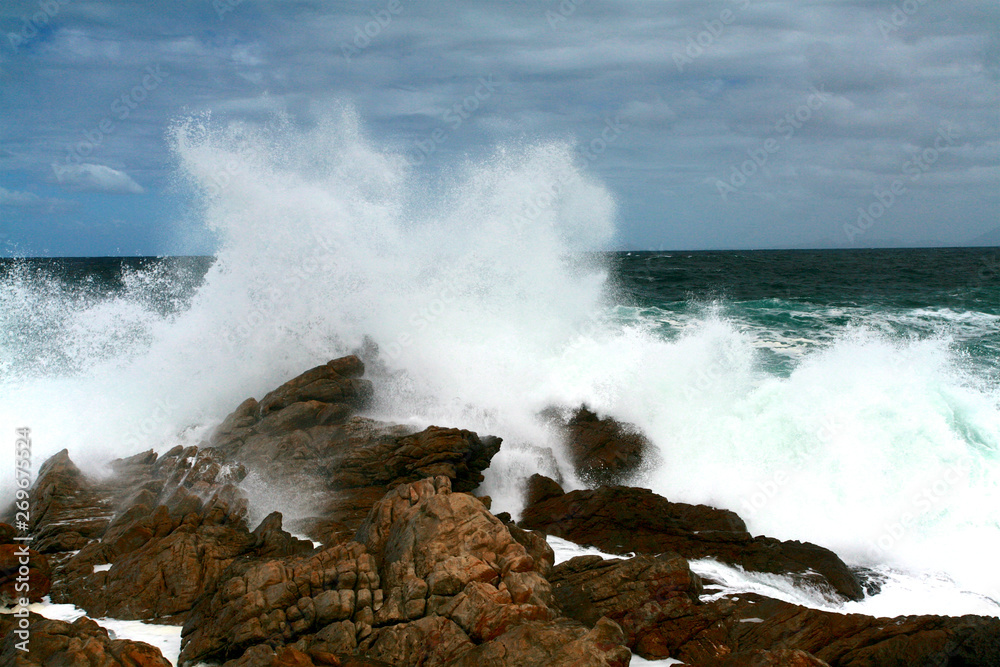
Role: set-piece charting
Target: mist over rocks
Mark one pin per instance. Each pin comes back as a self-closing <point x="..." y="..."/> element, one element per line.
<point x="407" y="566"/>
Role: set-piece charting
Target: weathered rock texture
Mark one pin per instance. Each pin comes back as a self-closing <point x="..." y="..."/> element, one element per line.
<point x="622" y="520"/>
<point x="431" y="576"/>
<point x="83" y="642"/>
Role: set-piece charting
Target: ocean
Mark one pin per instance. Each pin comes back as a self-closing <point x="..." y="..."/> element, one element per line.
<point x="849" y="398"/>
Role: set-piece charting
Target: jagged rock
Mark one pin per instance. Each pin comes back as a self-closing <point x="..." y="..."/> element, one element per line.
<point x="68" y="511"/>
<point x="303" y="436"/>
<point x="7" y="533"/>
<point x="558" y="643"/>
<point x="38" y="578"/>
<point x="83" y="642"/>
<point x="163" y="557"/>
<point x="637" y="593"/>
<point x="604" y="451"/>
<point x="624" y="520"/>
<point x="707" y="634"/>
<point x="428" y="641"/>
<point x="431" y="574"/>
<point x="444" y="551"/>
<point x="278" y="601"/>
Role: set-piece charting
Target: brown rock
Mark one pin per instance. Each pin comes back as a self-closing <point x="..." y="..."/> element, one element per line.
<point x="7" y="533"/>
<point x="83" y="642"/>
<point x="637" y="593"/>
<point x="67" y="510"/>
<point x="163" y="559"/>
<point x="623" y="520"/>
<point x="710" y="633"/>
<point x="302" y="436"/>
<point x="36" y="574"/>
<point x="557" y="643"/>
<point x="777" y="658"/>
<point x="279" y="601"/>
<point x="540" y="488"/>
<point x="604" y="451"/>
<point x="430" y="641"/>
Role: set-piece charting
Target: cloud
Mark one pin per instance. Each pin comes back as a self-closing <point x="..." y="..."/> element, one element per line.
<point x="96" y="178"/>
<point x="15" y="198"/>
<point x="752" y="67"/>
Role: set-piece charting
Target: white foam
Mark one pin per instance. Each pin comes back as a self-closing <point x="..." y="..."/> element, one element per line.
<point x="167" y="638"/>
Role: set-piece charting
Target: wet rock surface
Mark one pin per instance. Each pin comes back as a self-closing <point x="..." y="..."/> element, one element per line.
<point x="623" y="520"/>
<point x="603" y="450"/>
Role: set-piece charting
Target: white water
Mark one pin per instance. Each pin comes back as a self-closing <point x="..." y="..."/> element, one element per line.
<point x="884" y="450"/>
<point x="167" y="638"/>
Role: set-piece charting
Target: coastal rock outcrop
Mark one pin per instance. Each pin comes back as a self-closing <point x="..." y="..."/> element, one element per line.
<point x="624" y="520"/>
<point x="710" y="633"/>
<point x="431" y="575"/>
<point x="82" y="642"/>
<point x="305" y="435"/>
<point x="637" y="593"/>
<point x="604" y="451"/>
<point x="413" y="569"/>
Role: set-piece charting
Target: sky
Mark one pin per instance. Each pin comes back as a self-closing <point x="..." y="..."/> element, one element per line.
<point x="714" y="123"/>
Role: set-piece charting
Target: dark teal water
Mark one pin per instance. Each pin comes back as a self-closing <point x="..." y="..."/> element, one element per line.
<point x="795" y="301"/>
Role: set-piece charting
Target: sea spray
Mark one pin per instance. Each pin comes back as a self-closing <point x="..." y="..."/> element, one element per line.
<point x="872" y="433"/>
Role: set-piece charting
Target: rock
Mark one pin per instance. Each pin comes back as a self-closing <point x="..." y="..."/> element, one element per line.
<point x="304" y="436"/>
<point x="558" y="643"/>
<point x="706" y="634"/>
<point x="624" y="520"/>
<point x="540" y="488"/>
<point x="637" y="593"/>
<point x="7" y="533"/>
<point x="279" y="601"/>
<point x="164" y="556"/>
<point x="446" y="547"/>
<point x="333" y="382"/>
<point x="776" y="658"/>
<point x="82" y="642"/>
<point x="431" y="575"/>
<point x="67" y="510"/>
<point x="37" y="577"/>
<point x="604" y="451"/>
<point x="429" y="641"/>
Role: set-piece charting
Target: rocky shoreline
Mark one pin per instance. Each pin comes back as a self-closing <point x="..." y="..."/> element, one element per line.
<point x="406" y="566"/>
